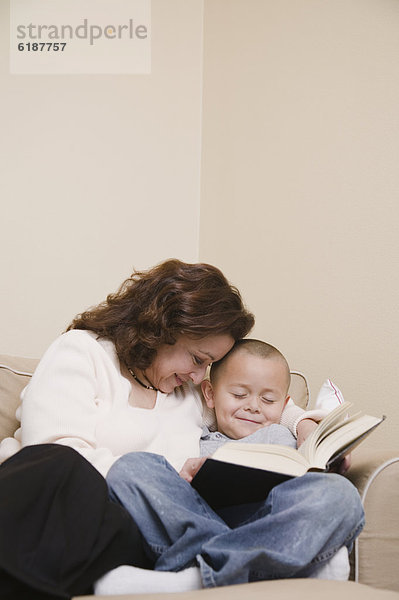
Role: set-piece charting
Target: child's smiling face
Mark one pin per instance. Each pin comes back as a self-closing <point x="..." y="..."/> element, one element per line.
<point x="250" y="392"/>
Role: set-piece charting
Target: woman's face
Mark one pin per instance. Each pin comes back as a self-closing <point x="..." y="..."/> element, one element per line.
<point x="187" y="359"/>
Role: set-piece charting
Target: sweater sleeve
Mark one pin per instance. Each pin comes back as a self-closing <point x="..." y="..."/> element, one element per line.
<point x="60" y="404"/>
<point x="293" y="414"/>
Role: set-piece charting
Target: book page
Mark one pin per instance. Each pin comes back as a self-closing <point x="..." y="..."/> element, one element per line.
<point x="342" y="437"/>
<point x="270" y="457"/>
<point x="332" y="421"/>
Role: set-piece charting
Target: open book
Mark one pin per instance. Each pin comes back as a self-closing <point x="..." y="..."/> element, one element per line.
<point x="240" y="472"/>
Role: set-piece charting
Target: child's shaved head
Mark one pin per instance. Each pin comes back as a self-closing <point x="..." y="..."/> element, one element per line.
<point x="254" y="347"/>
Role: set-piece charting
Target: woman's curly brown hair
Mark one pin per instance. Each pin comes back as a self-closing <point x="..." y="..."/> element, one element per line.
<point x="154" y="307"/>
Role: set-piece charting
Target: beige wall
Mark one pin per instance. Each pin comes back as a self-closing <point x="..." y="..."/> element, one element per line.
<point x="98" y="174"/>
<point x="300" y="183"/>
<point x="299" y="180"/>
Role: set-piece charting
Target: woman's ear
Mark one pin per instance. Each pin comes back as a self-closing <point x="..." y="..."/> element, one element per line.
<point x="207" y="391"/>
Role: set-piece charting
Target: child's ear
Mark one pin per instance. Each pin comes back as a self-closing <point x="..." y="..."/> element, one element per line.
<point x="286" y="401"/>
<point x="207" y="391"/>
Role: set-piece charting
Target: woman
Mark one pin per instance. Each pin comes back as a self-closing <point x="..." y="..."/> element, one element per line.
<point x="122" y="379"/>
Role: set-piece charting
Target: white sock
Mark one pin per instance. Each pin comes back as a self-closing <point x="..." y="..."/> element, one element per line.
<point x="132" y="580"/>
<point x="336" y="568"/>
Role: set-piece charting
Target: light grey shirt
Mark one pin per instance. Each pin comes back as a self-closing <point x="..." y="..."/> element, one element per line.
<point x="273" y="434"/>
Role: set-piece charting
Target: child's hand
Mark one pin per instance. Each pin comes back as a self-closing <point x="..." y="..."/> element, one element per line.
<point x="304" y="428"/>
<point x="191" y="467"/>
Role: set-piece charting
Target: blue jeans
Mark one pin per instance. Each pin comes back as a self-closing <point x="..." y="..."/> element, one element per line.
<point x="300" y="525"/>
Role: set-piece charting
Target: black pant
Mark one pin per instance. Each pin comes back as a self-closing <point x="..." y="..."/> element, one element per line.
<point x="59" y="531"/>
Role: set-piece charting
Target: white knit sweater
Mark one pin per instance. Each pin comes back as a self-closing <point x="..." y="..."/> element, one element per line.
<point x="78" y="397"/>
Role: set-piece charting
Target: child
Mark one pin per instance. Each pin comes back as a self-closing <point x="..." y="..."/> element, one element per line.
<point x="248" y="391"/>
<point x="192" y="546"/>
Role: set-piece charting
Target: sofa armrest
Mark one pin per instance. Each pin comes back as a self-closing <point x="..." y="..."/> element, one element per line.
<point x="375" y="559"/>
<point x="15" y="374"/>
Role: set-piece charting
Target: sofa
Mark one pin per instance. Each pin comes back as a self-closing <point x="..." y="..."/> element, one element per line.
<point x="375" y="556"/>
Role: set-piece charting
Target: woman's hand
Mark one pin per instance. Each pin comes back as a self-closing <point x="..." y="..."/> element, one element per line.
<point x="303" y="429"/>
<point x="191" y="467"/>
<point x="343" y="466"/>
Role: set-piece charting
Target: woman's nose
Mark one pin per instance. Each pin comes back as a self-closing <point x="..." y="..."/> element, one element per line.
<point x="198" y="375"/>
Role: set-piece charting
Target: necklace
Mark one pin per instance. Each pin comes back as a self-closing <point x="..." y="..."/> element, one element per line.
<point x="147" y="387"/>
